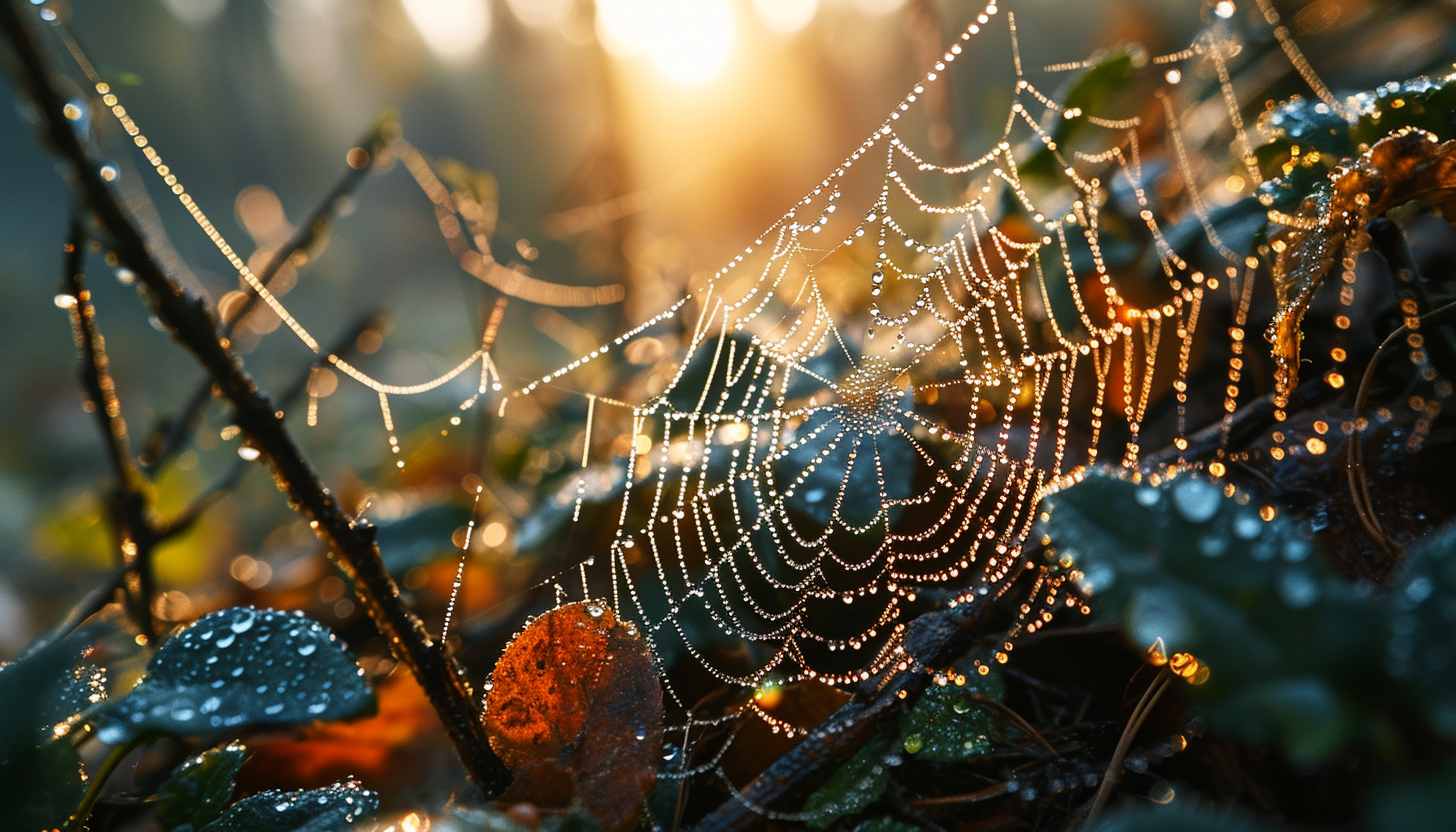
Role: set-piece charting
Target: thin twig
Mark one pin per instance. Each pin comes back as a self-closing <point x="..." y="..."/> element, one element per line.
<point x="128" y="503"/>
<point x="351" y="545"/>
<point x="343" y="347"/>
<point x="988" y="793"/>
<point x="94" y="602"/>
<point x="307" y="235"/>
<point x="1355" y="458"/>
<point x="1135" y="722"/>
<point x="1016" y="718"/>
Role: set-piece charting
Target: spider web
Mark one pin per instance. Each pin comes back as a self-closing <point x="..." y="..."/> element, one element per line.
<point x="869" y="402"/>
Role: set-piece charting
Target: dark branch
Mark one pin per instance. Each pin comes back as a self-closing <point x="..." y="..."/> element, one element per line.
<point x="351" y="545"/>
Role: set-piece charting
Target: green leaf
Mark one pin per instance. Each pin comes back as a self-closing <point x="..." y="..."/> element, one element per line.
<point x="41" y="777"/>
<point x="199" y="789"/>
<point x="1421" y="653"/>
<point x="240" y="667"/>
<point x="947" y="725"/>
<point x="857" y="784"/>
<point x="318" y="810"/>
<point x="1290" y="646"/>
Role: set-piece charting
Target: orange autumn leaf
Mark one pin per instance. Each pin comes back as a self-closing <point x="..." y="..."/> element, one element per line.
<point x="575" y="710"/>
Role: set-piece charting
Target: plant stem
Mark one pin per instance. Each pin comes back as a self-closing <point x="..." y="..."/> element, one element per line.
<point x="98" y="782"/>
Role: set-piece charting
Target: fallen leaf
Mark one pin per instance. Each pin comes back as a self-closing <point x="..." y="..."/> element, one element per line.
<point x="575" y="709"/>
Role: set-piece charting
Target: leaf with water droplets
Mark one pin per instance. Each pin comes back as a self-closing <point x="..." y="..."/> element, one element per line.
<point x="199" y="789"/>
<point x="240" y="667"/>
<point x="855" y="786"/>
<point x="40" y="773"/>
<point x="575" y="710"/>
<point x="1286" y="646"/>
<point x="318" y="810"/>
<point x="948" y="725"/>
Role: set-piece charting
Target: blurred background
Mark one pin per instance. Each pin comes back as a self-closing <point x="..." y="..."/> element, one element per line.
<point x="632" y="142"/>
<point x="639" y="142"/>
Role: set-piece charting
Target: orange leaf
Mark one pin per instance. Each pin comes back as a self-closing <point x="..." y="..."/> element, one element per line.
<point x="575" y="710"/>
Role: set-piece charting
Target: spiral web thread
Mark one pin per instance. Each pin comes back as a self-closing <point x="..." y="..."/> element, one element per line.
<point x="791" y="482"/>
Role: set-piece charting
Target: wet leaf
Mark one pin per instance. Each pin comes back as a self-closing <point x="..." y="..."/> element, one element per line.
<point x="857" y="784"/>
<point x="318" y="810"/>
<point x="947" y="725"/>
<point x="199" y="789"/>
<point x="240" y="667"/>
<point x="1287" y="646"/>
<point x="1410" y="164"/>
<point x="575" y="709"/>
<point x="41" y="778"/>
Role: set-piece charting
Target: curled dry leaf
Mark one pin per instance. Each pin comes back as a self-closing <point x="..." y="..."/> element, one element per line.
<point x="575" y="709"/>
<point x="1409" y="164"/>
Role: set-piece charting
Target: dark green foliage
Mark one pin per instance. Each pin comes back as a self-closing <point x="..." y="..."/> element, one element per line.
<point x="199" y="789"/>
<point x="1183" y="816"/>
<point x="1421" y="647"/>
<point x="1309" y="124"/>
<point x="1415" y="803"/>
<point x="41" y="778"/>
<point x="1291" y="646"/>
<point x="240" y="667"/>
<point x="856" y="785"/>
<point x="318" y="810"/>
<point x="947" y="725"/>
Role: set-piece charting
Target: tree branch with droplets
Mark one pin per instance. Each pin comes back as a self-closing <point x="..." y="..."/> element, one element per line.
<point x="351" y="544"/>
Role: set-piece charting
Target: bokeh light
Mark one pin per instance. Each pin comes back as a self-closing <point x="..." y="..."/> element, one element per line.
<point x="453" y="29"/>
<point x="786" y="16"/>
<point x="689" y="42"/>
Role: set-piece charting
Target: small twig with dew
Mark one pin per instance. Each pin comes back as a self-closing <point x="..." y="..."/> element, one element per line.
<point x="306" y="237"/>
<point x="128" y="503"/>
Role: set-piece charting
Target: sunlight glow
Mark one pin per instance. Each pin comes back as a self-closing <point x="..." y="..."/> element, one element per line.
<point x="786" y="16"/>
<point x="453" y="29"/>
<point x="687" y="40"/>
